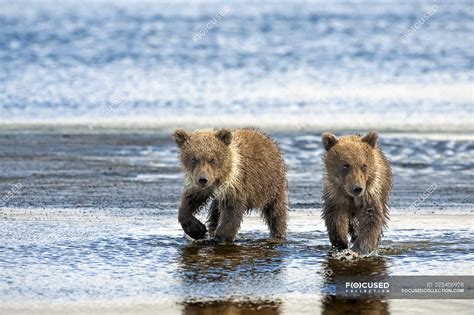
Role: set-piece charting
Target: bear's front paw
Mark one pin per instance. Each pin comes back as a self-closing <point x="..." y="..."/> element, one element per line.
<point x="194" y="228"/>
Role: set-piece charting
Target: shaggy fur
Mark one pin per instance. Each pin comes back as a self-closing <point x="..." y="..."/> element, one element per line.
<point x="238" y="171"/>
<point x="356" y="186"/>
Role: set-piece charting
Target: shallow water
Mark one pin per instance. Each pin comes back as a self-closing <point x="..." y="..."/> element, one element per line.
<point x="52" y="261"/>
<point x="93" y="229"/>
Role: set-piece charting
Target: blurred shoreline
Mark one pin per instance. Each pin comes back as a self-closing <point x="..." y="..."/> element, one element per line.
<point x="167" y="129"/>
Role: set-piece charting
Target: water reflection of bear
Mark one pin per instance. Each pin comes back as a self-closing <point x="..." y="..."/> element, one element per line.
<point x="245" y="268"/>
<point x="337" y="269"/>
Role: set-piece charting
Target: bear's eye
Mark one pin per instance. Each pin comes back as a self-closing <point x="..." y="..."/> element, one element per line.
<point x="346" y="166"/>
<point x="212" y="161"/>
<point x="364" y="167"/>
<point x="194" y="161"/>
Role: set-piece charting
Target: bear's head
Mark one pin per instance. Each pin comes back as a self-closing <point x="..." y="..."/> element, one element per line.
<point x="350" y="161"/>
<point x="205" y="155"/>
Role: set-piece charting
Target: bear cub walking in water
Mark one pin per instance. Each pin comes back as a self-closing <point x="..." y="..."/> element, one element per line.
<point x="356" y="186"/>
<point x="238" y="171"/>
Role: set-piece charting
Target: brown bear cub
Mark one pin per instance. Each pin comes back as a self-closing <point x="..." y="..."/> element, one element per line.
<point x="237" y="171"/>
<point x="356" y="186"/>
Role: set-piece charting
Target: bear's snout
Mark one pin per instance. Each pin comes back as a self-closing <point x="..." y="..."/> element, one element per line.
<point x="203" y="175"/>
<point x="354" y="183"/>
<point x="357" y="190"/>
<point x="202" y="181"/>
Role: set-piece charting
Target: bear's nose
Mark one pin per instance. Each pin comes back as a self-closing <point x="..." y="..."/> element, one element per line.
<point x="202" y="180"/>
<point x="357" y="189"/>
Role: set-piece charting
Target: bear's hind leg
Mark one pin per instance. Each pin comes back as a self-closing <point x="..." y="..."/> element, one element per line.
<point x="276" y="217"/>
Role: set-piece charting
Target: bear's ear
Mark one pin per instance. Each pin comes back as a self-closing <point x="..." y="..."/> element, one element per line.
<point x="224" y="135"/>
<point x="180" y="136"/>
<point x="370" y="138"/>
<point x="329" y="140"/>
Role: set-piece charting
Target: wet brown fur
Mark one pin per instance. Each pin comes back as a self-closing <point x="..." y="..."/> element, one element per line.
<point x="245" y="170"/>
<point x="355" y="162"/>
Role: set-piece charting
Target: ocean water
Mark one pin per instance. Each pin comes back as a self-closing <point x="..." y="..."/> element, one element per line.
<point x="297" y="65"/>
